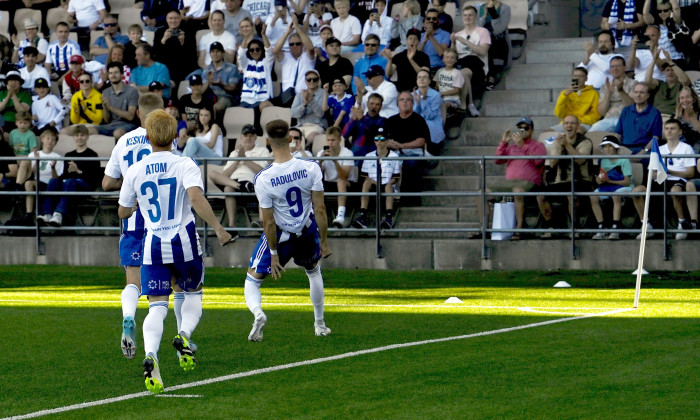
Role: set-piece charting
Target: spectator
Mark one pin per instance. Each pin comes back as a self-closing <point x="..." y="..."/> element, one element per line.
<point x="434" y="40"/>
<point x="195" y="14"/>
<point x="13" y="99"/>
<point x="346" y="27"/>
<point x="246" y="30"/>
<point x="427" y="103"/>
<point x="175" y="48"/>
<point x="337" y="174"/>
<point x="135" y="34"/>
<point x="578" y="99"/>
<point x="31" y="72"/>
<point x="217" y="35"/>
<point x="639" y="122"/>
<point x="679" y="171"/>
<point x="472" y="44"/>
<point x="522" y="175"/>
<point x="326" y="33"/>
<point x="31" y="39"/>
<point x="642" y="57"/>
<point x="277" y="23"/>
<point x="391" y="172"/>
<point x="450" y="83"/>
<point x="598" y="63"/>
<point x="8" y="168"/>
<point x="562" y="170"/>
<point x="172" y="109"/>
<point x="192" y="103"/>
<point x="297" y="147"/>
<point x="208" y="141"/>
<point x="223" y="78"/>
<point x="410" y="19"/>
<point x="371" y="58"/>
<point x="116" y="55"/>
<point x="256" y="67"/>
<point x="615" y="176"/>
<point x="378" y="24"/>
<point x="149" y="71"/>
<point x="239" y="175"/>
<point x="362" y="9"/>
<point x="70" y="79"/>
<point x="495" y="17"/>
<point x="85" y="105"/>
<point x="666" y="94"/>
<point x="336" y="66"/>
<point x="154" y="12"/>
<point x="360" y="129"/>
<point x="233" y="16"/>
<point x="614" y="96"/>
<point x="259" y="10"/>
<point x="119" y="103"/>
<point x="307" y="108"/>
<point x="407" y="62"/>
<point x="77" y="176"/>
<point x="88" y="16"/>
<point x="408" y="134"/>
<point x="314" y="20"/>
<point x="47" y="109"/>
<point x="339" y="103"/>
<point x="624" y="19"/>
<point x="377" y="83"/>
<point x="22" y="139"/>
<point x="687" y="111"/>
<point x="111" y="37"/>
<point x="671" y="27"/>
<point x="59" y="52"/>
<point x="444" y="20"/>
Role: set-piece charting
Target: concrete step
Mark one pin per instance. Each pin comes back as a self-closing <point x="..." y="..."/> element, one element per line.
<point x="555" y="57"/>
<point x="450" y="201"/>
<point x="500" y="124"/>
<point x="550" y="69"/>
<point x="471" y="137"/>
<point x="556" y="44"/>
<point x="451" y="183"/>
<point x="440" y="231"/>
<point x="515" y="96"/>
<point x="517" y="109"/>
<point x="422" y="214"/>
<point x="556" y="83"/>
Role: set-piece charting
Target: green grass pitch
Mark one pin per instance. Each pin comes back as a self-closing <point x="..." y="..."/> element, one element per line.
<point x="61" y="329"/>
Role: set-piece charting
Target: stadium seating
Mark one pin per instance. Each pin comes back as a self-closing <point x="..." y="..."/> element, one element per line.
<point x="234" y="120"/>
<point x="5" y="23"/>
<point x="319" y="142"/>
<point x="693" y="75"/>
<point x="56" y="15"/>
<point x="275" y="113"/>
<point x="22" y="14"/>
<point x="183" y="89"/>
<point x="129" y="16"/>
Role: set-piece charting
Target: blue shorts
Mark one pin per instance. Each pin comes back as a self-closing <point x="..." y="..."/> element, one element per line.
<point x="131" y="248"/>
<point x="304" y="247"/>
<point x="155" y="279"/>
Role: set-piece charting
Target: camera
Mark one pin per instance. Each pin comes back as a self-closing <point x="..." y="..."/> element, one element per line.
<point x="176" y="32"/>
<point x="326" y="147"/>
<point x="642" y="39"/>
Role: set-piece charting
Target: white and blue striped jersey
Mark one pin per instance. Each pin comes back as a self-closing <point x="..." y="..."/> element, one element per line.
<point x="159" y="182"/>
<point x="286" y="189"/>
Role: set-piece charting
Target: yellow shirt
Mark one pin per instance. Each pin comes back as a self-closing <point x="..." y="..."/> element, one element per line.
<point x="583" y="104"/>
<point x="86" y="110"/>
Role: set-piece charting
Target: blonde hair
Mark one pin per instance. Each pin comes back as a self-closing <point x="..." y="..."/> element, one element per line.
<point x="413" y="6"/>
<point x="333" y="130"/>
<point x="345" y="2"/>
<point x="135" y="28"/>
<point x="161" y="128"/>
<point x="149" y="102"/>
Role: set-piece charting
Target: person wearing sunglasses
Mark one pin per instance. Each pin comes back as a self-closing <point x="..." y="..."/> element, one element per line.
<point x="434" y="41"/>
<point x="371" y="58"/>
<point x="86" y="104"/>
<point x="307" y="107"/>
<point x="670" y="23"/>
<point x="100" y="48"/>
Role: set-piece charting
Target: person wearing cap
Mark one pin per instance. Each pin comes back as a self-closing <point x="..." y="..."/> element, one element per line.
<point x="307" y="107"/>
<point x="434" y="40"/>
<point x="346" y="27"/>
<point x="410" y="19"/>
<point x="377" y="83"/>
<point x="70" y="83"/>
<point x="31" y="72"/>
<point x="13" y="99"/>
<point x="223" y="78"/>
<point x="233" y="15"/>
<point x="176" y="48"/>
<point x="218" y="35"/>
<point x="370" y="59"/>
<point x="31" y="39"/>
<point x="111" y="36"/>
<point x="119" y="102"/>
<point x="314" y="20"/>
<point x="59" y="52"/>
<point x="47" y="109"/>
<point x="149" y="70"/>
<point x="239" y="175"/>
<point x="157" y="88"/>
<point x="408" y="62"/>
<point x="378" y="24"/>
<point x="359" y="130"/>
<point x="87" y="15"/>
<point x="615" y="175"/>
<point x="336" y="66"/>
<point x="191" y="103"/>
<point x="339" y="103"/>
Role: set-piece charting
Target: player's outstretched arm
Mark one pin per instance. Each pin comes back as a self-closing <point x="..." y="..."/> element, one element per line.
<point x="322" y="221"/>
<point x="203" y="209"/>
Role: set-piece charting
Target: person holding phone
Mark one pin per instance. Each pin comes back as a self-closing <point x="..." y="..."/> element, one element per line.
<point x="578" y="99"/>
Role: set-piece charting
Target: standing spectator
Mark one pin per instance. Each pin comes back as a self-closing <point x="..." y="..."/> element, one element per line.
<point x="85" y="105"/>
<point x="314" y="21"/>
<point x="336" y="66"/>
<point x="472" y="44"/>
<point x="208" y="141"/>
<point x="149" y="71"/>
<point x="578" y="99"/>
<point x="427" y="103"/>
<point x="255" y="64"/>
<point x="13" y="99"/>
<point x="346" y="27"/>
<point x="434" y="41"/>
<point x="119" y="103"/>
<point x="31" y="72"/>
<point x="640" y="122"/>
<point x="450" y="83"/>
<point x="377" y="83"/>
<point x="339" y="103"/>
<point x="192" y="103"/>
<point x="666" y="93"/>
<point x="359" y="130"/>
<point x="495" y="17"/>
<point x="219" y="35"/>
<point x="598" y="63"/>
<point x="154" y="12"/>
<point x="59" y="52"/>
<point x="223" y="78"/>
<point x="687" y="111"/>
<point x="614" y="96"/>
<point x="671" y="27"/>
<point x="337" y="174"/>
<point x="307" y="107"/>
<point x="246" y="30"/>
<point x="47" y="109"/>
<point x="175" y="48"/>
<point x="88" y="15"/>
<point x="70" y="79"/>
<point x="615" y="176"/>
<point x="410" y="19"/>
<point x="31" y="39"/>
<point x="233" y="16"/>
<point x="111" y="37"/>
<point x="624" y="19"/>
<point x="371" y="58"/>
<point x="407" y="62"/>
<point x="378" y="24"/>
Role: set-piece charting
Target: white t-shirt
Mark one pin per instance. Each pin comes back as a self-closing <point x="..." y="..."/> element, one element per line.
<point x="384" y="33"/>
<point x="330" y="174"/>
<point x="277" y="31"/>
<point x="86" y="12"/>
<point x="678" y="164"/>
<point x="243" y="172"/>
<point x="49" y="108"/>
<point x="314" y="32"/>
<point x="345" y="30"/>
<point x="645" y="59"/>
<point x="447" y="80"/>
<point x="598" y="69"/>
<point x="45" y="165"/>
<point x="286" y="189"/>
<point x="295" y="66"/>
<point x="390" y="168"/>
<point x="39" y="72"/>
<point x="198" y="8"/>
<point x="259" y="8"/>
<point x="389" y="93"/>
<point x="226" y="39"/>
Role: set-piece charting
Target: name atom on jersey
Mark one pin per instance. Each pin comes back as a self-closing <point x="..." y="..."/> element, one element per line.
<point x="153" y="168"/>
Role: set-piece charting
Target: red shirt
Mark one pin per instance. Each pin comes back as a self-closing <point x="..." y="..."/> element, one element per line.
<point x="523" y="169"/>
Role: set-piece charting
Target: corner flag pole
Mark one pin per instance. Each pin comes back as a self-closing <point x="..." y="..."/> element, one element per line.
<point x="643" y="242"/>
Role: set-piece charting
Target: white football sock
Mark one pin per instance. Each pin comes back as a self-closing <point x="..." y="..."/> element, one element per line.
<point x="316" y="291"/>
<point x="178" y="299"/>
<point x="153" y="326"/>
<point x="251" y="291"/>
<point x="191" y="312"/>
<point x="130" y="299"/>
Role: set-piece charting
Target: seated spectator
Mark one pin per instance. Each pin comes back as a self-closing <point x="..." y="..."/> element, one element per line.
<point x="246" y="31"/>
<point x="522" y="175"/>
<point x="427" y="103"/>
<point x="297" y="147"/>
<point x="60" y="52"/>
<point x="326" y="33"/>
<point x="314" y="20"/>
<point x="239" y="175"/>
<point x="217" y="35"/>
<point x="13" y="99"/>
<point x="377" y="83"/>
<point x="208" y="141"/>
<point x="450" y="83"/>
<point x="371" y="58"/>
<point x="615" y="95"/>
<point x="598" y="62"/>
<point x="86" y="105"/>
<point x="410" y="19"/>
<point x="679" y="171"/>
<point x="391" y="173"/>
<point x="472" y="44"/>
<point x="111" y="37"/>
<point x="77" y="176"/>
<point x="569" y="143"/>
<point x="154" y="13"/>
<point x="182" y="135"/>
<point x="666" y="93"/>
<point x="222" y="78"/>
<point x="495" y="17"/>
<point x="671" y="27"/>
<point x="378" y="24"/>
<point x="408" y="62"/>
<point x="8" y="168"/>
<point x="31" y="39"/>
<point x="119" y="103"/>
<point x="191" y="103"/>
<point x="116" y="55"/>
<point x="87" y="15"/>
<point x="233" y="16"/>
<point x="615" y="176"/>
<point x="642" y="56"/>
<point x="687" y="112"/>
<point x="70" y="83"/>
<point x="337" y="174"/>
<point x="28" y="173"/>
<point x="47" y="109"/>
<point x="339" y="103"/>
<point x="149" y="71"/>
<point x="346" y="27"/>
<point x="360" y="128"/>
<point x="640" y="122"/>
<point x="22" y="138"/>
<point x="578" y="99"/>
<point x="434" y="41"/>
<point x="31" y="72"/>
<point x="336" y="66"/>
<point x="307" y="108"/>
<point x="278" y="22"/>
<point x="176" y="48"/>
<point x="444" y="19"/>
<point x="624" y="19"/>
<point x="135" y="34"/>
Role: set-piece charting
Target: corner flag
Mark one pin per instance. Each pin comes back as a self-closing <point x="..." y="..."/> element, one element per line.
<point x="656" y="163"/>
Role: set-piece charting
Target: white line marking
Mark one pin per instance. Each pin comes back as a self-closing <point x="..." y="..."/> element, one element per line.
<point x="537" y="311"/>
<point x="309" y="362"/>
<point x="178" y="396"/>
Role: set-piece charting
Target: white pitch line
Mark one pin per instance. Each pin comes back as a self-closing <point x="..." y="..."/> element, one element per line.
<point x="178" y="396"/>
<point x="307" y="363"/>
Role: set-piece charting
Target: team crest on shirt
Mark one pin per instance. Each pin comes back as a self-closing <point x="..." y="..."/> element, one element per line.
<point x="152" y="284"/>
<point x="135" y="255"/>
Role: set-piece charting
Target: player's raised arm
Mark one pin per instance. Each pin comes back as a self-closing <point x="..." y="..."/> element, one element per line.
<point x="203" y="209"/>
<point x="322" y="221"/>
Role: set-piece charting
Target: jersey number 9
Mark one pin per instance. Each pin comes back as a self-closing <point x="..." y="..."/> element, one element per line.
<point x="294" y="201"/>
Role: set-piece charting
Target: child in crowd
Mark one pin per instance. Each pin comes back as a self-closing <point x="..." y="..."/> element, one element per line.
<point x="78" y="176"/>
<point x="182" y="136"/>
<point x="340" y="103"/>
<point x="615" y="175"/>
<point x="449" y="83"/>
<point x="325" y="33"/>
<point x="410" y="19"/>
<point x="47" y="109"/>
<point x="337" y="174"/>
<point x="135" y="34"/>
<point x="314" y="20"/>
<point x="346" y="27"/>
<point x="22" y="139"/>
<point x="391" y="171"/>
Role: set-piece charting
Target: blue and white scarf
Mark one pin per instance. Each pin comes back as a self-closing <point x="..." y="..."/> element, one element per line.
<point x="627" y="17"/>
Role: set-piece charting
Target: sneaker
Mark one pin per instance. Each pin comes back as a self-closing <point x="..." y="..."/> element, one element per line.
<point x="43" y="220"/>
<point x="387" y="223"/>
<point x="56" y="219"/>
<point x="129" y="337"/>
<point x="360" y="222"/>
<point x="649" y="234"/>
<point x="255" y="224"/>
<point x="614" y="236"/>
<point x="473" y="111"/>
<point x="151" y="373"/>
<point x="234" y="236"/>
<point x="256" y="334"/>
<point x="490" y="85"/>
<point x="339" y="222"/>
<point x="182" y="345"/>
<point x="681" y="236"/>
<point x="321" y="330"/>
<point x="598" y="236"/>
